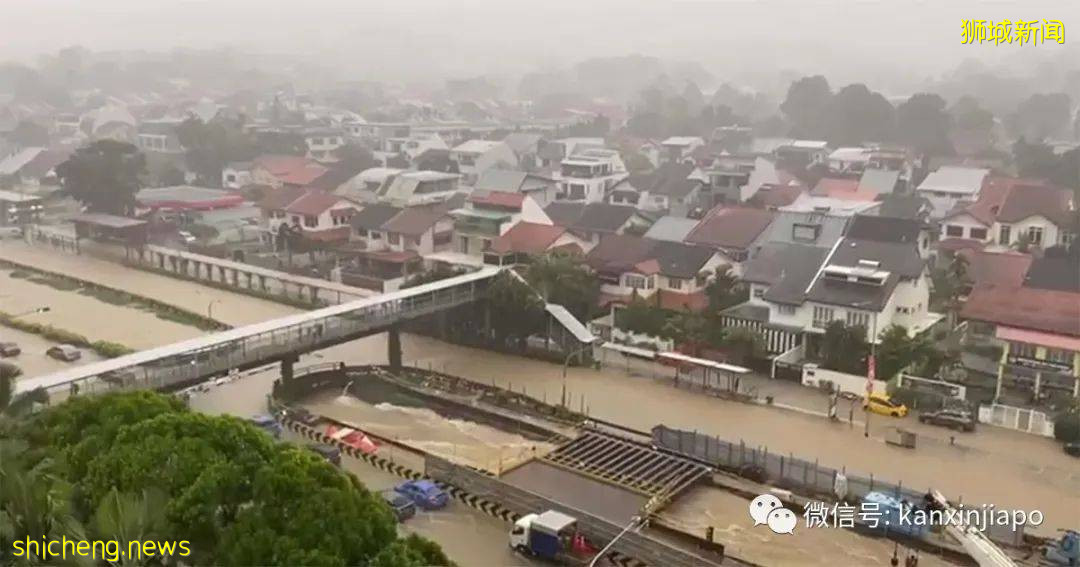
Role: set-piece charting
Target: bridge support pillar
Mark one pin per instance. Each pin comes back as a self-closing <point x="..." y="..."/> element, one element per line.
<point x="221" y="274"/>
<point x="487" y="323"/>
<point x="393" y="346"/>
<point x="262" y="283"/>
<point x="442" y="324"/>
<point x="314" y="294"/>
<point x="287" y="364"/>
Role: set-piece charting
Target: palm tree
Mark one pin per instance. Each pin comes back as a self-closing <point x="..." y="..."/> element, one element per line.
<point x="724" y="290"/>
<point x="127" y="517"/>
<point x="11" y="405"/>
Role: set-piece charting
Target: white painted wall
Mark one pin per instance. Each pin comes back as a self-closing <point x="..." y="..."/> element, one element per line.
<point x="966" y="223"/>
<point x="813" y="374"/>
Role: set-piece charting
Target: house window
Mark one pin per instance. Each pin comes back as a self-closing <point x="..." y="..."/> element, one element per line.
<point x="758" y="291"/>
<point x="1035" y="235"/>
<point x="375" y="235"/>
<point x="1059" y="355"/>
<point x="675" y="283"/>
<point x="311" y="221"/>
<point x="856" y="318"/>
<point x="954" y="231"/>
<point x="296" y="219"/>
<point x="638" y="282"/>
<point x="1022" y="350"/>
<point x="231" y="178"/>
<point x="1003" y="236"/>
<point x="701" y="279"/>
<point x="393" y="238"/>
<point x="786" y="309"/>
<point x="822" y="317"/>
<point x="978" y="233"/>
<point x="279" y="214"/>
<point x="362" y="233"/>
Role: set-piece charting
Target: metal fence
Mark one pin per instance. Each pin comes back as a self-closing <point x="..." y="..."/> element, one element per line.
<point x="795" y="474"/>
<point x="597" y="530"/>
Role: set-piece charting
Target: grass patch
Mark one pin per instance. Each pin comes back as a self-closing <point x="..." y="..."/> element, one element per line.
<point x="106" y="349"/>
<point x="185" y="318"/>
<point x="55" y="283"/>
<point x="19" y="275"/>
<point x="110" y="296"/>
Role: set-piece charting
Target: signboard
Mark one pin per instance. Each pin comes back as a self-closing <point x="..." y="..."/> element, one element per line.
<point x="1036" y="364"/>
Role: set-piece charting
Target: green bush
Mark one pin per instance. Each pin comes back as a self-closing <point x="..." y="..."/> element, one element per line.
<point x="56" y="283"/>
<point x="19" y="275"/>
<point x="1067" y="424"/>
<point x="110" y="349"/>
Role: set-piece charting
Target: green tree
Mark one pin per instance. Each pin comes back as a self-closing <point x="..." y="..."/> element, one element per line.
<point x="724" y="289"/>
<point x="566" y="281"/>
<point x="355" y="157"/>
<point x="897" y="351"/>
<point x="856" y="115"/>
<point x="210" y="146"/>
<point x="280" y="143"/>
<point x="922" y="123"/>
<point x="949" y="284"/>
<point x="642" y="316"/>
<point x="1042" y="115"/>
<point x="844" y="348"/>
<point x="744" y="343"/>
<point x="516" y="312"/>
<point x="104" y="176"/>
<point x="805" y="104"/>
<point x="127" y="517"/>
<point x="12" y="405"/>
<point x="412" y="551"/>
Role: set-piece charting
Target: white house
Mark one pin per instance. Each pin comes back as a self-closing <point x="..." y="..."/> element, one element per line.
<point x="674" y="187"/>
<point x="588" y="175"/>
<point x="947" y="186"/>
<point x="319" y="215"/>
<point x="487" y="215"/>
<point x="678" y="148"/>
<point x="477" y="156"/>
<point x="418" y="187"/>
<point x="323" y="143"/>
<point x="1009" y="209"/>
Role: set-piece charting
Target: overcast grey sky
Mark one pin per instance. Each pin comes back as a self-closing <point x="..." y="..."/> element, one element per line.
<point x="410" y="38"/>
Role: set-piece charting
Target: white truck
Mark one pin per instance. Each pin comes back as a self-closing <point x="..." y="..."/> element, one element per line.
<point x="549" y="535"/>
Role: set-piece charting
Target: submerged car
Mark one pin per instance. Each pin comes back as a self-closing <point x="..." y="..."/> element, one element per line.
<point x="423" y="493"/>
<point x="953" y="418"/>
<point x="67" y="353"/>
<point x="884" y="405"/>
<point x="9" y="349"/>
<point x="329" y="452"/>
<point x="402" y="505"/>
<point x="268" y="424"/>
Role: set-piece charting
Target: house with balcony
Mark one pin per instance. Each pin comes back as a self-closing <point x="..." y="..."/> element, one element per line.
<point x="1036" y="321"/>
<point x="159" y="136"/>
<point x="673" y="274"/>
<point x="801" y="153"/>
<point x="487" y="215"/>
<point x="477" y="156"/>
<point x="587" y="176"/>
<point x="411" y="188"/>
<point x="797" y="290"/>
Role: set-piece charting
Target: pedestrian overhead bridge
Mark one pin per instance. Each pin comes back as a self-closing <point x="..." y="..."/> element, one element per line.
<point x="281" y="339"/>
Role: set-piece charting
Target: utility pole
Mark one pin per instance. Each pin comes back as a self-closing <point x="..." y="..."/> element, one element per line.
<point x="871" y="370"/>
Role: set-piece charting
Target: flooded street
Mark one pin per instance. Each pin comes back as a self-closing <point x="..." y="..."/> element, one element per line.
<point x="458" y="440"/>
<point x="727" y="514"/>
<point x="90" y="317"/>
<point x="1010" y="469"/>
<point x="33" y="360"/>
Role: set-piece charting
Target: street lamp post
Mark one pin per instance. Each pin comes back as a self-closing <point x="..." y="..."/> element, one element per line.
<point x="871" y="370"/>
<point x="634" y="522"/>
<point x="210" y="308"/>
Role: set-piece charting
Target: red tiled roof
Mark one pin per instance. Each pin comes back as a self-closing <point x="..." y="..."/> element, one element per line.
<point x="847" y="189"/>
<point x="647" y="267"/>
<point x="997" y="268"/>
<point x="527" y="238"/>
<point x="776" y="196"/>
<point x="328" y="235"/>
<point x="313" y="202"/>
<point x="1046" y="310"/>
<point x="1026" y="200"/>
<point x="501" y="199"/>
<point x="292" y="170"/>
<point x="278" y="199"/>
<point x="997" y="192"/>
<point x="730" y="227"/>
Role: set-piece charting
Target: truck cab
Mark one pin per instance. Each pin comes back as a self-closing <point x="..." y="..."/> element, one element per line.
<point x="548" y="535"/>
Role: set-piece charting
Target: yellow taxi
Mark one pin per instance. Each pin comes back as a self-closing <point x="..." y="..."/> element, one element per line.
<point x="882" y="404"/>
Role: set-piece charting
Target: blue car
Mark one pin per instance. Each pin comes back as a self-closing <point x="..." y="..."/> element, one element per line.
<point x="268" y="424"/>
<point x="424" y="493"/>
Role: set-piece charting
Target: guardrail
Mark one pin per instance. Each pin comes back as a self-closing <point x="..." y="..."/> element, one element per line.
<point x="597" y="530"/>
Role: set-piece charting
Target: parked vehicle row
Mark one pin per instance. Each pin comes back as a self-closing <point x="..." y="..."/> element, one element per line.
<point x="66" y="353"/>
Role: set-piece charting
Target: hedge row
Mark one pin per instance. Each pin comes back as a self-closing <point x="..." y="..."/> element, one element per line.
<point x="63" y="336"/>
<point x="114" y="296"/>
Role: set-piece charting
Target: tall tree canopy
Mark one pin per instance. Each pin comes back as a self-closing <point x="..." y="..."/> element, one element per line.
<point x="566" y="281"/>
<point x="140" y="464"/>
<point x="922" y="123"/>
<point x="805" y="106"/>
<point x="844" y="348"/>
<point x="1041" y="116"/>
<point x="104" y="176"/>
<point x="857" y="115"/>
